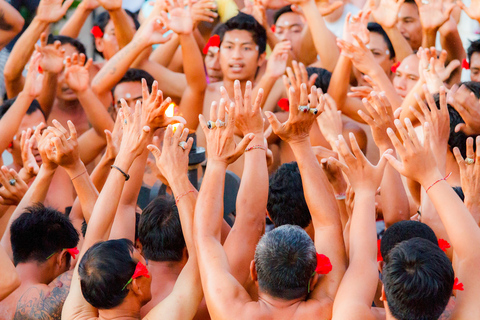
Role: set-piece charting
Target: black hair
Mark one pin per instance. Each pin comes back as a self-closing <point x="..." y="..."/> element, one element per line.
<point x="474" y="47"/>
<point x="418" y="280"/>
<point x="136" y="75"/>
<point x="459" y="191"/>
<point x="243" y="21"/>
<point x="67" y="40"/>
<point x="104" y="270"/>
<point x="285" y="259"/>
<point x="376" y="28"/>
<point x="39" y="232"/>
<point x="281" y="11"/>
<point x="34" y="106"/>
<point x="323" y="79"/>
<point x="286" y="201"/>
<point x="103" y="18"/>
<point x="405" y="230"/>
<point x="137" y="220"/>
<point x="160" y="231"/>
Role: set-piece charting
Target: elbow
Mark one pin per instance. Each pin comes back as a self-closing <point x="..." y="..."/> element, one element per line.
<point x="18" y="24"/>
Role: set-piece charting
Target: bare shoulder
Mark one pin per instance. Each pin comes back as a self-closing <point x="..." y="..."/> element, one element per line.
<point x="42" y="301"/>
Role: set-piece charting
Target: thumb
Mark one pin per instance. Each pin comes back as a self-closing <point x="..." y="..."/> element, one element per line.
<point x="272" y="119"/>
<point x="397" y="165"/>
<point x="108" y="136"/>
<point x="461" y="127"/>
<point x="155" y="151"/>
<point x="243" y="145"/>
<point x="396" y="113"/>
<point x="383" y="160"/>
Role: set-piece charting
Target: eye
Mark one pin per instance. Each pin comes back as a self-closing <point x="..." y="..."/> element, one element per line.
<point x="247" y="48"/>
<point x="414" y="78"/>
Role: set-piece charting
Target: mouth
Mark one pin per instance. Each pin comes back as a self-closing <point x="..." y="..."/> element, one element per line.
<point x="401" y="93"/>
<point x="236" y="67"/>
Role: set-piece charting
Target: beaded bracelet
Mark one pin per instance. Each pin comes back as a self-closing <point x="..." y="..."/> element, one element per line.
<point x="341" y="196"/>
<point x="258" y="146"/>
<point x="443" y="179"/>
<point x="126" y="175"/>
<point x="177" y="199"/>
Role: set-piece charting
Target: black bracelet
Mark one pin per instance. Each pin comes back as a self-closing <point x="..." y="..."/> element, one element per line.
<point x="126" y="175"/>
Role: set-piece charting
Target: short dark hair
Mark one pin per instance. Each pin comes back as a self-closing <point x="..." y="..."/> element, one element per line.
<point x="418" y="280"/>
<point x="67" y="40"/>
<point x="376" y="28"/>
<point x="104" y="270"/>
<point x="103" y="18"/>
<point x="286" y="201"/>
<point x="285" y="259"/>
<point x="136" y="75"/>
<point x="160" y="231"/>
<point x="405" y="230"/>
<point x="281" y="11"/>
<point x="40" y="231"/>
<point x="323" y="79"/>
<point x="474" y="47"/>
<point x="34" y="106"/>
<point x="243" y="21"/>
<point x="137" y="219"/>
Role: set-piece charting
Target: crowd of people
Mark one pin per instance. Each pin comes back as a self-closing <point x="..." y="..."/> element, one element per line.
<point x="342" y="170"/>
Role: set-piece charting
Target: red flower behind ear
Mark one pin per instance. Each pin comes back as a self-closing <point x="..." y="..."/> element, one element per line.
<point x="379" y="253"/>
<point x="97" y="32"/>
<point x="273" y="28"/>
<point x="465" y="64"/>
<point x="284" y="104"/>
<point x="214" y="41"/>
<point x="457" y="285"/>
<point x="395" y="67"/>
<point x="323" y="264"/>
<point x="73" y="252"/>
<point x="443" y="244"/>
<point x="140" y="271"/>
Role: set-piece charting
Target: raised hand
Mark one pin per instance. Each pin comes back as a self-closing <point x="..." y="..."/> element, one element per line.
<point x="220" y="136"/>
<point x="52" y="10"/>
<point x="90" y="4"/>
<point x="467" y="105"/>
<point x="257" y="10"/>
<point x="434" y="13"/>
<point x="154" y="107"/>
<point x="114" y="139"/>
<point x="13" y="187"/>
<point x="473" y="11"/>
<point x="427" y="72"/>
<point x="65" y="151"/>
<point x="111" y="5"/>
<point x="249" y="117"/>
<point x="330" y="121"/>
<point x="134" y="139"/>
<point x="334" y="175"/>
<point x="34" y="81"/>
<point x="357" y="25"/>
<point x="30" y="165"/>
<point x="180" y="20"/>
<point x="52" y="55"/>
<point x="152" y="32"/>
<point x="76" y="72"/>
<point x="277" y="62"/>
<point x="385" y="14"/>
<point x="302" y="114"/>
<point x="45" y="146"/>
<point x="172" y="161"/>
<point x="362" y="58"/>
<point x="362" y="175"/>
<point x="297" y="76"/>
<point x="202" y="11"/>
<point x="327" y="7"/>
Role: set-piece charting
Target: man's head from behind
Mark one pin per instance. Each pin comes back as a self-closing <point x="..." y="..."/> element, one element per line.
<point x="418" y="280"/>
<point x="285" y="259"/>
<point x="41" y="232"/>
<point x="286" y="201"/>
<point x="105" y="271"/>
<point x="242" y="48"/>
<point x="160" y="231"/>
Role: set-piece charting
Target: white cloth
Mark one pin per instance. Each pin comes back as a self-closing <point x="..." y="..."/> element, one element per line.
<point x="337" y="26"/>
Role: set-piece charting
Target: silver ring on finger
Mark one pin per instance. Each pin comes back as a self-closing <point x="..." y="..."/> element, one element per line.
<point x="303" y="109"/>
<point x="211" y="125"/>
<point x="469" y="160"/>
<point x="220" y="123"/>
<point x="69" y="138"/>
<point x="12" y="182"/>
<point x="183" y="145"/>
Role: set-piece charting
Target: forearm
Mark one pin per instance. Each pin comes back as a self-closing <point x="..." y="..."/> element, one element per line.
<point x="96" y="112"/>
<point x="428" y="38"/>
<point x="392" y="192"/>
<point x="90" y="145"/>
<point x="163" y="55"/>
<point x="9" y="279"/>
<point x="324" y="39"/>
<point x="266" y="83"/>
<point x="272" y="39"/>
<point x="123" y="27"/>
<point x="48" y="94"/>
<point x="452" y="43"/>
<point x="363" y="233"/>
<point x="340" y="80"/>
<point x="194" y="69"/>
<point x="12" y="23"/>
<point x="73" y="25"/>
<point x="400" y="44"/>
<point x="410" y="100"/>
<point x="100" y="173"/>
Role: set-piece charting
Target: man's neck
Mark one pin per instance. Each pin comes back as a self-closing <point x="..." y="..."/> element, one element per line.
<point x="68" y="105"/>
<point x="129" y="309"/>
<point x="32" y="273"/>
<point x="277" y="303"/>
<point x="165" y="269"/>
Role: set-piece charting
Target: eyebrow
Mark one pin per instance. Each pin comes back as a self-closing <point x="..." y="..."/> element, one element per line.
<point x="289" y="26"/>
<point x="243" y="43"/>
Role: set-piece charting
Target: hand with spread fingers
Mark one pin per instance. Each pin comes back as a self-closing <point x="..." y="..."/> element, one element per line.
<point x="154" y="108"/>
<point x="152" y="32"/>
<point x="13" y="187"/>
<point x="30" y="166"/>
<point x="356" y="24"/>
<point x="45" y="146"/>
<point x="277" y="62"/>
<point x="172" y="161"/>
<point x="297" y="76"/>
<point x="467" y="105"/>
<point x="219" y="131"/>
<point x="77" y="76"/>
<point x="434" y="13"/>
<point x="180" y="19"/>
<point x="52" y="55"/>
<point x="65" y="151"/>
<point x="302" y="114"/>
<point x="330" y="121"/>
<point x="52" y="10"/>
<point x="34" y="80"/>
<point x="362" y="58"/>
<point x="473" y="11"/>
<point x="203" y="10"/>
<point x="386" y="12"/>
<point x="248" y="116"/>
<point x="114" y="139"/>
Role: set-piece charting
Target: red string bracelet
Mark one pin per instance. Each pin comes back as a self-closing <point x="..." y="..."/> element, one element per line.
<point x="182" y="195"/>
<point x="443" y="179"/>
<point x="258" y="146"/>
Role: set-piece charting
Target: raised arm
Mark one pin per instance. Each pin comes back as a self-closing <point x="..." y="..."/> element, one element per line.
<point x="318" y="192"/>
<point x="8" y="275"/>
<point x="433" y="14"/>
<point x="11" y="23"/>
<point x="124" y="27"/>
<point x="73" y="25"/>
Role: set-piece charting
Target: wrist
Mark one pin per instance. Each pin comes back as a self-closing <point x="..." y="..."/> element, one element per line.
<point x="27" y="96"/>
<point x="299" y="142"/>
<point x="429" y="178"/>
<point x="75" y="169"/>
<point x="217" y="164"/>
<point x="124" y="160"/>
<point x="40" y="22"/>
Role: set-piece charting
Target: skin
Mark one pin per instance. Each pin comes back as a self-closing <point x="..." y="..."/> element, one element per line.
<point x="289" y="27"/>
<point x="406" y="76"/>
<point x="409" y="24"/>
<point x="212" y="64"/>
<point x="475" y="67"/>
<point x="108" y="44"/>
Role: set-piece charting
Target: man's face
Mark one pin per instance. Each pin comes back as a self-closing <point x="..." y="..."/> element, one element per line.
<point x="289" y="27"/>
<point x="212" y="63"/>
<point x="239" y="57"/>
<point x="475" y="67"/>
<point x="63" y="90"/>
<point x="406" y="76"/>
<point x="409" y="24"/>
<point x="130" y="91"/>
<point x="28" y="121"/>
<point x="108" y="44"/>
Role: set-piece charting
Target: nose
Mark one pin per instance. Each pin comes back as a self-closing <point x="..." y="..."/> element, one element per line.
<point x="237" y="53"/>
<point x="400" y="83"/>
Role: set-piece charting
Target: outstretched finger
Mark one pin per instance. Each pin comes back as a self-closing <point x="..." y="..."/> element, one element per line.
<point x="242" y="145"/>
<point x="238" y="94"/>
<point x="73" y="130"/>
<point x="155" y="151"/>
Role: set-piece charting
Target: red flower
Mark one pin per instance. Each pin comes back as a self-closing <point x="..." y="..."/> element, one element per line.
<point x="73" y="252"/>
<point x="323" y="264"/>
<point x="214" y="41"/>
<point x="140" y="271"/>
<point x="443" y="244"/>
<point x="40" y="70"/>
<point x="395" y="67"/>
<point x="379" y="253"/>
<point x="457" y="285"/>
<point x="284" y="104"/>
<point x="273" y="28"/>
<point x="465" y="64"/>
<point x="97" y="32"/>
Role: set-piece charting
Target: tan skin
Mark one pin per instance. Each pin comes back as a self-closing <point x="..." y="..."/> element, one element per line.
<point x="408" y="23"/>
<point x="406" y="76"/>
<point x="475" y="67"/>
<point x="212" y="64"/>
<point x="289" y="26"/>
